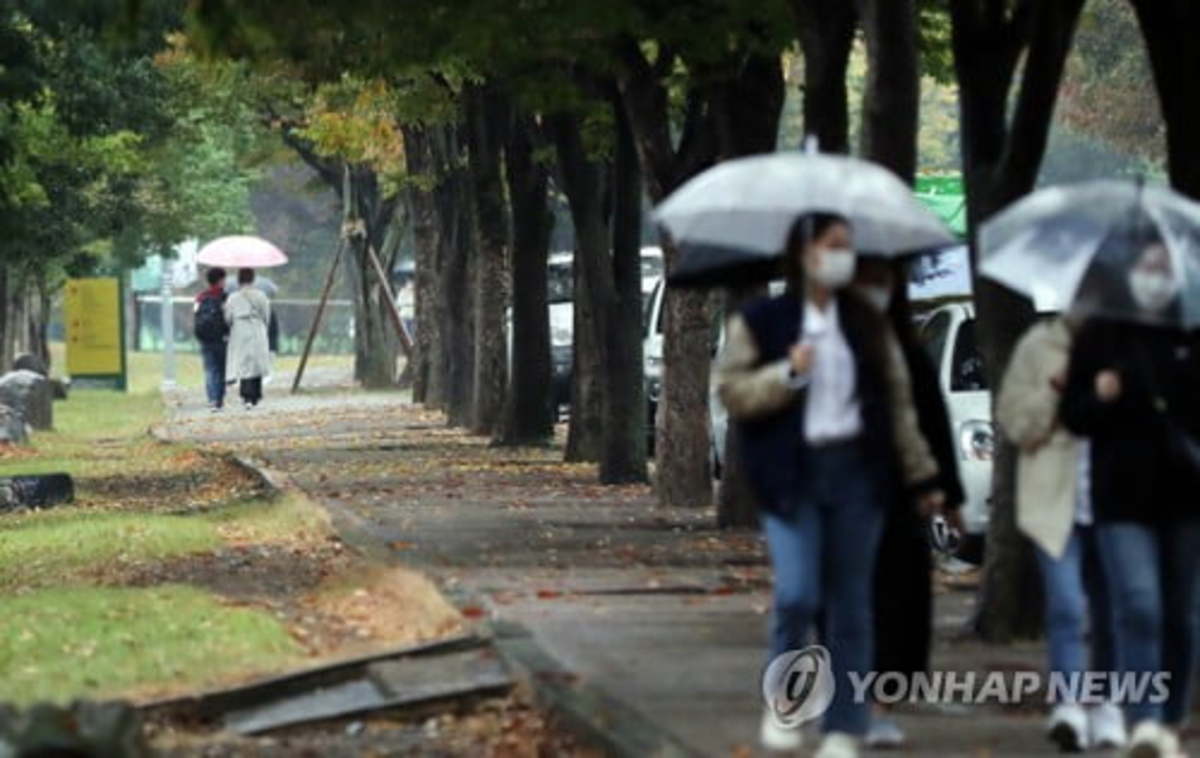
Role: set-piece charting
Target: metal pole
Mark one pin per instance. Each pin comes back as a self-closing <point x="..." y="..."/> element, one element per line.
<point x="168" y="327"/>
<point x="316" y="323"/>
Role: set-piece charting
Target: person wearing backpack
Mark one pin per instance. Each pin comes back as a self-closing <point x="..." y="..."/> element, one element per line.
<point x="208" y="323"/>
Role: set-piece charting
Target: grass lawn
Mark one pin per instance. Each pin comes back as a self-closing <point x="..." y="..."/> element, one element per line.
<point x="68" y="626"/>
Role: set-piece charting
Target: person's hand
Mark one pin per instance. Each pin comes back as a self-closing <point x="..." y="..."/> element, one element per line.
<point x="931" y="503"/>
<point x="1108" y="385"/>
<point x="953" y="519"/>
<point x="801" y="357"/>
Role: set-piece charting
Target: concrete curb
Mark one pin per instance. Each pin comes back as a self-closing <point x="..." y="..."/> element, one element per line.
<point x="592" y="713"/>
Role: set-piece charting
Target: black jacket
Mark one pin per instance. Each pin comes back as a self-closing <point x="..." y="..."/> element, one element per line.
<point x="1139" y="469"/>
<point x="935" y="421"/>
<point x="774" y="447"/>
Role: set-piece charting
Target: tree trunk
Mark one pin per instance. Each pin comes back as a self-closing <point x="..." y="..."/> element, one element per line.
<point x="1000" y="163"/>
<point x="5" y="321"/>
<point x="529" y="411"/>
<point x="455" y="295"/>
<point x="892" y="96"/>
<point x="624" y="458"/>
<point x="826" y="30"/>
<point x="428" y="383"/>
<point x="750" y="108"/>
<point x="1168" y="27"/>
<point x="375" y="345"/>
<point x="486" y="119"/>
<point x="583" y="182"/>
<point x="683" y="476"/>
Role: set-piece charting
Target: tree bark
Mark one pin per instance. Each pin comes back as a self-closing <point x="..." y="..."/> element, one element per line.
<point x="428" y="381"/>
<point x="749" y="111"/>
<point x="375" y="349"/>
<point x="583" y="182"/>
<point x="1000" y="163"/>
<point x="683" y="476"/>
<point x="529" y="412"/>
<point x="454" y="304"/>
<point x="826" y="30"/>
<point x="1175" y="60"/>
<point x="487" y="115"/>
<point x="624" y="458"/>
<point x="892" y="96"/>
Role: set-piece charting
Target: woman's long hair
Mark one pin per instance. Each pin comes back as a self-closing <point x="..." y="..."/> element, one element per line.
<point x="805" y="229"/>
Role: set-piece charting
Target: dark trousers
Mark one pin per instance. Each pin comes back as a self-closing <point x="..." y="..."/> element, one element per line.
<point x="251" y="390"/>
<point x="213" y="356"/>
<point x="903" y="596"/>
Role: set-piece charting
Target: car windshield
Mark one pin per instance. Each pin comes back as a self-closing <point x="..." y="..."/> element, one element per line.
<point x="560" y="285"/>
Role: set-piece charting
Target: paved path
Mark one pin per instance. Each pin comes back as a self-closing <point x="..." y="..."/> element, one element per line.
<point x="654" y="605"/>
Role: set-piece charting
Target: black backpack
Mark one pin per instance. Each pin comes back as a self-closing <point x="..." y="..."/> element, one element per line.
<point x="209" y="320"/>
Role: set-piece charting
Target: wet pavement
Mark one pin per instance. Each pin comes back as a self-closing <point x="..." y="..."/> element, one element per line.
<point x="655" y="606"/>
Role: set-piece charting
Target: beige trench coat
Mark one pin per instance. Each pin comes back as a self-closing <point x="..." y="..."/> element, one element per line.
<point x="247" y="312"/>
<point x="1027" y="411"/>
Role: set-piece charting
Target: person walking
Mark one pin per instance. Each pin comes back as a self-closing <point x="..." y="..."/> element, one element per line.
<point x="821" y="397"/>
<point x="903" y="587"/>
<point x="212" y="332"/>
<point x="248" y="312"/>
<point x="1054" y="509"/>
<point x="1131" y="391"/>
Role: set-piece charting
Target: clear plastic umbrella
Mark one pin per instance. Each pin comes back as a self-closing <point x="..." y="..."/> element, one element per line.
<point x="1077" y="245"/>
<point x="732" y="221"/>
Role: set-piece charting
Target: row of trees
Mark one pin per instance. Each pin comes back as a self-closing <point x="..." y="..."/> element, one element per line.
<point x="104" y="155"/>
<point x="637" y="96"/>
<point x="452" y="125"/>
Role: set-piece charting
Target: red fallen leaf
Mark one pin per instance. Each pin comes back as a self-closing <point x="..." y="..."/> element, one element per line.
<point x="548" y="594"/>
<point x="724" y="589"/>
<point x="473" y="612"/>
<point x="401" y="545"/>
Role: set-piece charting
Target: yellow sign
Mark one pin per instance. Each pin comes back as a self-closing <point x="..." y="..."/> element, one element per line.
<point x="92" y="312"/>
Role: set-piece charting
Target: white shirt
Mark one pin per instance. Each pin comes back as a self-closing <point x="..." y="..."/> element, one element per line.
<point x="832" y="412"/>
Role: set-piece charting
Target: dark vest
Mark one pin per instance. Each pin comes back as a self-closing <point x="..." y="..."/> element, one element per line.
<point x="774" y="447"/>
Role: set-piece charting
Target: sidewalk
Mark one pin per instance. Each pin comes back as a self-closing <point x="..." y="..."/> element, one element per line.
<point x="655" y="606"/>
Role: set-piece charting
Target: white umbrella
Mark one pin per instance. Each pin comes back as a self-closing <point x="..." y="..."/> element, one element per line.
<point x="1074" y="245"/>
<point x="733" y="220"/>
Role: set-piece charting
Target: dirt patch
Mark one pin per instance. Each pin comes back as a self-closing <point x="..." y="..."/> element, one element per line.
<point x="188" y="482"/>
<point x="495" y="728"/>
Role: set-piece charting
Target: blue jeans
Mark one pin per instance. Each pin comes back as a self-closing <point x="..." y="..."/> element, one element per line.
<point x="213" y="355"/>
<point x="1075" y="590"/>
<point x="1152" y="577"/>
<point x="823" y="558"/>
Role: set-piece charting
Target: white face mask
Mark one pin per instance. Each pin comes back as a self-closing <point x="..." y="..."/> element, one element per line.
<point x="880" y="298"/>
<point x="1152" y="290"/>
<point x="836" y="268"/>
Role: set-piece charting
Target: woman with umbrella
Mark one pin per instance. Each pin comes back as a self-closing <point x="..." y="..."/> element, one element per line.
<point x="904" y="565"/>
<point x="1128" y="256"/>
<point x="247" y="311"/>
<point x="820" y="395"/>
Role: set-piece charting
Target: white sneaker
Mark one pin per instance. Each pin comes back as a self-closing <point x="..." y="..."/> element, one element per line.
<point x="884" y="734"/>
<point x="838" y="745"/>
<point x="1106" y="726"/>
<point x="776" y="738"/>
<point x="1068" y="728"/>
<point x="1153" y="740"/>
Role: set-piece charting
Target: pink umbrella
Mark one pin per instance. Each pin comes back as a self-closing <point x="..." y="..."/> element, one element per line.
<point x="241" y="251"/>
